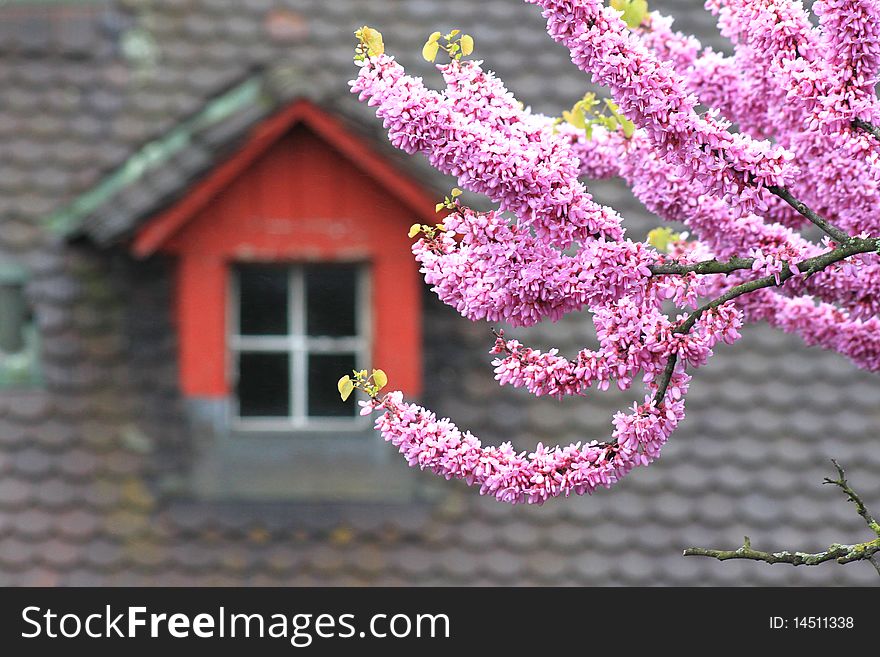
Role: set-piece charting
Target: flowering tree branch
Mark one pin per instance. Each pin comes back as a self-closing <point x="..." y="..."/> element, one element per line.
<point x="826" y="226"/>
<point x="865" y="551"/>
<point x="563" y="252"/>
<point x="809" y="267"/>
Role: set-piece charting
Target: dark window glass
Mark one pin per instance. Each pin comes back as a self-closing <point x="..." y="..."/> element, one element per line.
<point x="13" y="317"/>
<point x="264" y="384"/>
<point x="330" y="300"/>
<point x="262" y="291"/>
<point x="324" y="373"/>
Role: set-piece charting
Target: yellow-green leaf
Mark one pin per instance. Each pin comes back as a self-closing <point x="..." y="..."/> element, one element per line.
<point x="575" y="117"/>
<point x="467" y="44"/>
<point x="414" y="230"/>
<point x="634" y="11"/>
<point x="439" y="207"/>
<point x="434" y="37"/>
<point x="345" y="386"/>
<point x="453" y="33"/>
<point x="380" y="378"/>
<point x="661" y="237"/>
<point x="372" y="39"/>
<point x="429" y="50"/>
<point x="455" y="192"/>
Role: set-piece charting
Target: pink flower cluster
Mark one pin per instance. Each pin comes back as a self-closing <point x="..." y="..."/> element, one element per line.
<point x="632" y="340"/>
<point x="477" y="132"/>
<point x="813" y="84"/>
<point x="724" y="234"/>
<point x="501" y="272"/>
<point x="650" y="93"/>
<point x="550" y="249"/>
<point x="517" y="477"/>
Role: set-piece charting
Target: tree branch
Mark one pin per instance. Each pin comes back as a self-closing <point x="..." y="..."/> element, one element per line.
<point x="841" y="553"/>
<point x="852" y="246"/>
<point x="870" y="128"/>
<point x="665" y="378"/>
<point x="827" y="227"/>
<point x="735" y="264"/>
<point x="836" y="552"/>
<point x="704" y="267"/>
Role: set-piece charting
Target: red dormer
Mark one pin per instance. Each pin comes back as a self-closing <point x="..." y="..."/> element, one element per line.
<point x="294" y="267"/>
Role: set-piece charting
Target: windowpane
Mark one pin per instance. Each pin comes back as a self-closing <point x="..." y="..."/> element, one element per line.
<point x="13" y="317"/>
<point x="324" y="373"/>
<point x="263" y="384"/>
<point x="262" y="293"/>
<point x="330" y="300"/>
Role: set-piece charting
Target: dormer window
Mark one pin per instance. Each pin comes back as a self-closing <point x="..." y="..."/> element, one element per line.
<point x="293" y="267"/>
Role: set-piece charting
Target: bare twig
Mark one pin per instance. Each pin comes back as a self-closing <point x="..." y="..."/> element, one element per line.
<point x="835" y="552"/>
<point x="866" y="551"/>
<point x="827" y="227"/>
<point x="853" y="497"/>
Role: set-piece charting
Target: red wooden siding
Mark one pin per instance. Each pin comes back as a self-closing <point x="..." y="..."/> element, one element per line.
<point x="301" y="200"/>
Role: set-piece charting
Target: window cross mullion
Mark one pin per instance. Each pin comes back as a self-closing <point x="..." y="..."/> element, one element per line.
<point x="325" y="352"/>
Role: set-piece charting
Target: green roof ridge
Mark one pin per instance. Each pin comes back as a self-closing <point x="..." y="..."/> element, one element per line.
<point x="69" y="219"/>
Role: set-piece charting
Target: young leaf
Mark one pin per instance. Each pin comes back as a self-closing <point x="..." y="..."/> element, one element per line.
<point x="415" y="229"/>
<point x="372" y="40"/>
<point x="345" y="386"/>
<point x="661" y="237"/>
<point x="380" y="378"/>
<point x="625" y="124"/>
<point x="438" y="207"/>
<point x="455" y="192"/>
<point x="467" y="44"/>
<point x="634" y="11"/>
<point x="575" y="117"/>
<point x="435" y="36"/>
<point x="429" y="50"/>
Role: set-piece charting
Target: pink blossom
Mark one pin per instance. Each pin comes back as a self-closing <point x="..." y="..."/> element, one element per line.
<point x="561" y="252"/>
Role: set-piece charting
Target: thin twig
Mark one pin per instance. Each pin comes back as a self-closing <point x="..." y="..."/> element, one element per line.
<point x="827" y="227"/>
<point x="866" y="551"/>
<point x="870" y="128"/>
<point x="853" y="497"/>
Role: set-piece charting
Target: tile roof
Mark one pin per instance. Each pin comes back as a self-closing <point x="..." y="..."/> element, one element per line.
<point x="75" y="119"/>
<point x="82" y="463"/>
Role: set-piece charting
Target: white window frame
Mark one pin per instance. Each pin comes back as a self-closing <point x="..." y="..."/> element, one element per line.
<point x="299" y="345"/>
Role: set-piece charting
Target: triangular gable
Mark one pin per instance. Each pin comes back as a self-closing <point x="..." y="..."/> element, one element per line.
<point x="164" y="225"/>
